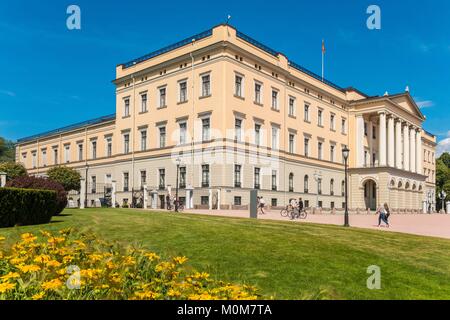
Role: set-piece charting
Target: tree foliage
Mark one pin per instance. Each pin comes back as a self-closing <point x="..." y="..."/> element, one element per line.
<point x="6" y="150"/>
<point x="13" y="170"/>
<point x="443" y="175"/>
<point x="69" y="178"/>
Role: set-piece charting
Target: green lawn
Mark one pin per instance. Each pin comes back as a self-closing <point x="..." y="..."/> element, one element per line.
<point x="285" y="260"/>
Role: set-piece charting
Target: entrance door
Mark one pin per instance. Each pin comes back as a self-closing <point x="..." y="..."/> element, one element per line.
<point x="370" y="195"/>
<point x="162" y="202"/>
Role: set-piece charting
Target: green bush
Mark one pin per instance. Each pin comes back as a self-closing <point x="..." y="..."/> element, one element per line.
<point x="26" y="206"/>
<point x="69" y="178"/>
<point x="13" y="170"/>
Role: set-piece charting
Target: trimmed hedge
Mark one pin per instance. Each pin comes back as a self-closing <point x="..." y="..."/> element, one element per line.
<point x="26" y="206"/>
<point x="38" y="183"/>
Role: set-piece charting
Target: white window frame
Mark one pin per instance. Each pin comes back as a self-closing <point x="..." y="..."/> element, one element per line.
<point x="126" y="106"/>
<point x="261" y="95"/>
<point x="144" y="107"/>
<point x="306" y="111"/>
<point x="201" y="84"/>
<point x="293" y="142"/>
<point x="181" y="132"/>
<point x="164" y="87"/>
<point x="238" y="135"/>
<point x="277" y="138"/>
<point x="242" y="89"/>
<point x="186" y="98"/>
<point x="277" y="99"/>
<point x="125" y="151"/>
<point x="294" y="106"/>
<point x="67" y="153"/>
<point x="144" y="148"/>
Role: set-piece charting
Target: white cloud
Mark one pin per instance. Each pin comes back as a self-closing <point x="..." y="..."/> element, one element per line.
<point x="443" y="145"/>
<point x="425" y="104"/>
<point x="8" y="93"/>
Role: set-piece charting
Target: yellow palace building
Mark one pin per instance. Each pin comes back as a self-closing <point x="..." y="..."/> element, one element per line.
<point x="235" y="115"/>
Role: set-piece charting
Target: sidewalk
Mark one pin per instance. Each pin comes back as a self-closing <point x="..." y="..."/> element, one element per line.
<point x="434" y="225"/>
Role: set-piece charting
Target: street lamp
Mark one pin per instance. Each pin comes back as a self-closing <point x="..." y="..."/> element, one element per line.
<point x="317" y="178"/>
<point x="178" y="161"/>
<point x="345" y="153"/>
<point x="443" y="196"/>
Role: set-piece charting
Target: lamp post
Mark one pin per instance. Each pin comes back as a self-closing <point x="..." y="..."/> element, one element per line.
<point x="345" y="153"/>
<point x="317" y="178"/>
<point x="178" y="161"/>
<point x="443" y="196"/>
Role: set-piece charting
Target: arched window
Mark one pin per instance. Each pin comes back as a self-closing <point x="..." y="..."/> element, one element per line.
<point x="343" y="188"/>
<point x="306" y="183"/>
<point x="291" y="182"/>
<point x="332" y="187"/>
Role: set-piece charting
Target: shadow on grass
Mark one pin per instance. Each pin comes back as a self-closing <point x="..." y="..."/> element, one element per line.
<point x="64" y="215"/>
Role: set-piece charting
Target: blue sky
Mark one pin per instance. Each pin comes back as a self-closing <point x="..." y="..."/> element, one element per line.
<point x="51" y="76"/>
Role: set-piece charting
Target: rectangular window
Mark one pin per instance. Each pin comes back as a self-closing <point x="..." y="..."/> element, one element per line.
<point x="204" y="200"/>
<point x="256" y="177"/>
<point x="258" y="93"/>
<point x="126" y="108"/>
<point x="344" y="126"/>
<point x="274" y="138"/>
<point x="162" y="179"/>
<point x="257" y="134"/>
<point x="205" y="129"/>
<point x="183" y="128"/>
<point x="206" y="85"/>
<point x="126" y="143"/>
<point x="274" y="180"/>
<point x="306" y="147"/>
<point x="237" y="129"/>
<point x="34" y="159"/>
<point x="319" y="150"/>
<point x="319" y="186"/>
<point x="67" y="154"/>
<point x="80" y="152"/>
<point x="126" y="181"/>
<point x="162" y="137"/>
<point x="94" y="149"/>
<point x="291" y="143"/>
<point x="183" y="91"/>
<point x="332" y="153"/>
<point x="238" y="86"/>
<point x="306" y="117"/>
<point x="374" y="132"/>
<point x="332" y="124"/>
<point x="274" y="99"/>
<point x="182" y="177"/>
<point x="162" y="97"/>
<point x="291" y="106"/>
<point x="55" y="156"/>
<point x="274" y="202"/>
<point x="320" y="118"/>
<point x="93" y="184"/>
<point x="143" y="140"/>
<point x="320" y="204"/>
<point x="44" y="158"/>
<point x="143" y="178"/>
<point x="237" y="201"/>
<point x="237" y="175"/>
<point x="205" y="175"/>
<point x="109" y="147"/>
<point x="306" y="203"/>
<point x="144" y="102"/>
<point x="365" y="129"/>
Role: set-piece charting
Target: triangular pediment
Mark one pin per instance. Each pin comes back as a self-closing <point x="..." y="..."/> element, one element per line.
<point x="406" y="102"/>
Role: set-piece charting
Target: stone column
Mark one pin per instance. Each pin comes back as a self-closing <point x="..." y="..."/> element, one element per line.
<point x="412" y="151"/>
<point x="370" y="140"/>
<point x="405" y="147"/>
<point x="210" y="199"/>
<point x="391" y="142"/>
<point x="419" y="151"/>
<point x="145" y="197"/>
<point x="82" y="193"/>
<point x="219" y="191"/>
<point x="113" y="193"/>
<point x="359" y="141"/>
<point x="398" y="144"/>
<point x="189" y="195"/>
<point x="2" y="179"/>
<point x="382" y="139"/>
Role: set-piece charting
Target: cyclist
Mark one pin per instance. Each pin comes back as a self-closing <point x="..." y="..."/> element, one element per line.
<point x="294" y="208"/>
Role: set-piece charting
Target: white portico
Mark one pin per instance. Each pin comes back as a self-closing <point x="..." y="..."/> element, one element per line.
<point x="387" y="164"/>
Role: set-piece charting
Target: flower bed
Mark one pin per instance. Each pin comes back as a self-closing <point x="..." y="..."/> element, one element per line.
<point x="73" y="265"/>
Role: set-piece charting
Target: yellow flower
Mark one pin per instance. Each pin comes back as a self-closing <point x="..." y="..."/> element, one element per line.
<point x="29" y="268"/>
<point x="46" y="233"/>
<point x="146" y="295"/>
<point x="4" y="287"/>
<point x="52" y="284"/>
<point x="56" y="240"/>
<point x="28" y="237"/>
<point x="53" y="263"/>
<point x="129" y="261"/>
<point x="202" y="275"/>
<point x="67" y="259"/>
<point x="2" y="238"/>
<point x="180" y="260"/>
<point x="38" y="296"/>
<point x="151" y="256"/>
<point x="164" y="266"/>
<point x="17" y="261"/>
<point x="95" y="257"/>
<point x="111" y="265"/>
<point x="42" y="258"/>
<point x="11" y="275"/>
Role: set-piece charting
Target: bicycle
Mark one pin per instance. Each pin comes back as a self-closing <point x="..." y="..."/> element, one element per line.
<point x="286" y="211"/>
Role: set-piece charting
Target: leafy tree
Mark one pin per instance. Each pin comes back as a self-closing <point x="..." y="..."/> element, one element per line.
<point x="13" y="170"/>
<point x="445" y="157"/>
<point x="69" y="178"/>
<point x="7" y="151"/>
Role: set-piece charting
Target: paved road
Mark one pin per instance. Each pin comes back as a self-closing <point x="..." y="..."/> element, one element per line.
<point x="435" y="225"/>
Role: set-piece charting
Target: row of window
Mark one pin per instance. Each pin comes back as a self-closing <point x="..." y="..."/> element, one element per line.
<point x="237" y="201"/>
<point x="239" y="92"/>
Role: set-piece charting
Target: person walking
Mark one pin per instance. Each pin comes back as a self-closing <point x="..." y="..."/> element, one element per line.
<point x="294" y="208"/>
<point x="384" y="214"/>
<point x="261" y="204"/>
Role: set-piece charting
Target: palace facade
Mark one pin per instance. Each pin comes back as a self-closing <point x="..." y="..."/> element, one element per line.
<point x="235" y="115"/>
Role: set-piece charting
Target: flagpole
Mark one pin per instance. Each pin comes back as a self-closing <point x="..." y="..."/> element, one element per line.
<point x="322" y="58"/>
